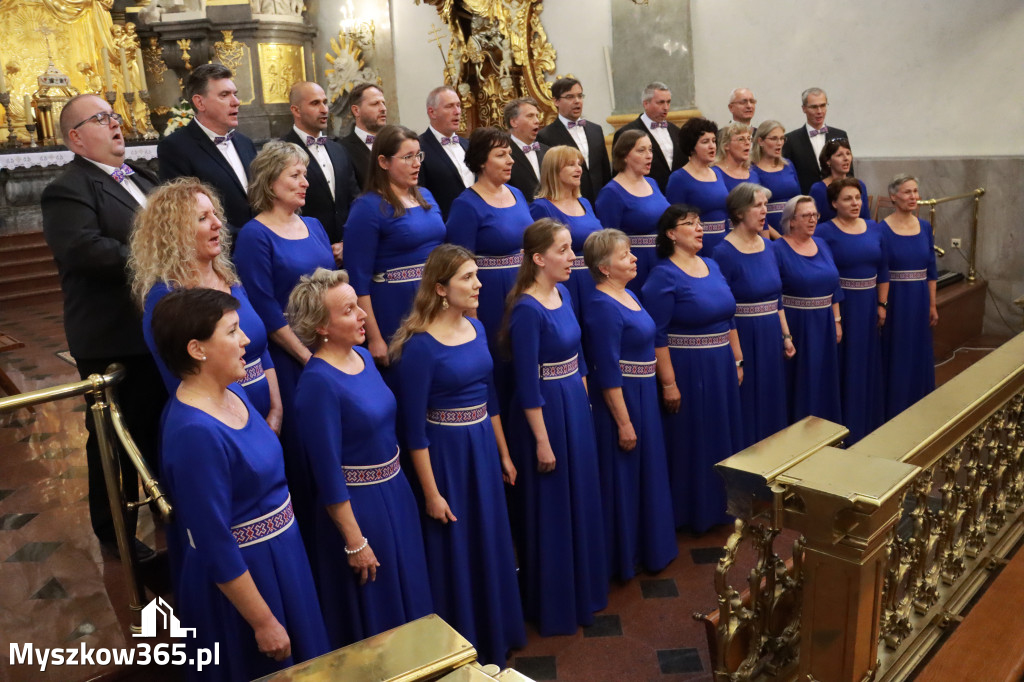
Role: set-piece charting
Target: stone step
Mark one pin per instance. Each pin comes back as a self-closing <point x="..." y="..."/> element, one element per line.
<point x="31" y="296"/>
<point x="21" y="239"/>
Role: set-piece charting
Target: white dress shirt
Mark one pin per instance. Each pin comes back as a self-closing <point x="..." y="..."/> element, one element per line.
<point x="580" y="136"/>
<point x="817" y="141"/>
<point x="458" y="157"/>
<point x="660" y="136"/>
<point x="127" y="183"/>
<point x="319" y="152"/>
<point x="531" y="155"/>
<point x="227" y="148"/>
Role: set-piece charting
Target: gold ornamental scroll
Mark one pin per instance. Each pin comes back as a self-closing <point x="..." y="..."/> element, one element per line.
<point x="78" y="29"/>
<point x="281" y="66"/>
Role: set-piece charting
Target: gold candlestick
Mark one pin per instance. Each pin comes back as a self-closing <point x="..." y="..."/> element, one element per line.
<point x="150" y="134"/>
<point x="129" y="99"/>
<point x="5" y="102"/>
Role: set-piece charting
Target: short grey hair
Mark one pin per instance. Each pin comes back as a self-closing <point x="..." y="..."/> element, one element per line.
<point x="811" y="91"/>
<point x="306" y="308"/>
<point x="598" y="250"/>
<point x="742" y="197"/>
<point x="435" y="95"/>
<point x="789" y="210"/>
<point x="735" y="91"/>
<point x="898" y="180"/>
<point x="513" y="107"/>
<point x="648" y="94"/>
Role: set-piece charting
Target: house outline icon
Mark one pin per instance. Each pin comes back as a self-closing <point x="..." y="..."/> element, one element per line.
<point x="156" y="612"/>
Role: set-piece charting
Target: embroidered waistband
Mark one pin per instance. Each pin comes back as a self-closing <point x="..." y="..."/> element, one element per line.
<point x="907" y="275"/>
<point x="776" y="206"/>
<point x="560" y="370"/>
<point x="698" y="340"/>
<point x="457" y="416"/>
<point x="640" y="370"/>
<point x="371" y="475"/>
<point x="756" y="309"/>
<point x="499" y="262"/>
<point x="642" y="240"/>
<point x="714" y="227"/>
<point x="850" y="283"/>
<point x="411" y="273"/>
<point x="579" y="264"/>
<point x="807" y="303"/>
<point x="266" y="526"/>
<point x="253" y="372"/>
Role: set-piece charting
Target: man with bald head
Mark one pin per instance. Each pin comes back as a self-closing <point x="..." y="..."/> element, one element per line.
<point x="369" y="111"/>
<point x="742" y="106"/>
<point x="87" y="220"/>
<point x="332" y="180"/>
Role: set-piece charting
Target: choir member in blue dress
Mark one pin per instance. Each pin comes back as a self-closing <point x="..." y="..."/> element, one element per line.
<point x="372" y="575"/>
<point x="907" y="335"/>
<point x="627" y="415"/>
<point x="836" y="160"/>
<point x="457" y="445"/>
<point x="561" y="545"/>
<point x="391" y="229"/>
<point x="696" y="184"/>
<point x="243" y="580"/>
<point x="558" y="197"/>
<point x="699" y="366"/>
<point x="488" y="218"/>
<point x="747" y="262"/>
<point x="776" y="172"/>
<point x="856" y="246"/>
<point x="179" y="243"/>
<point x="732" y="160"/>
<point x="632" y="201"/>
<point x="811" y="297"/>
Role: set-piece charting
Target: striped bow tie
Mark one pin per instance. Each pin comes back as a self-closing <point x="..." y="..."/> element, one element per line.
<point x="658" y="124"/>
<point x="527" y="148"/>
<point x="321" y="140"/>
<point x="445" y="141"/>
<point x="121" y="173"/>
<point x="220" y="139"/>
<point x="820" y="131"/>
<point x="573" y="124"/>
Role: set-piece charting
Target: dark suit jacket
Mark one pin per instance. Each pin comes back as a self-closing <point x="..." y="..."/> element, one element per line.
<point x="438" y="172"/>
<point x="523" y="178"/>
<point x="597" y="170"/>
<point x="189" y="152"/>
<point x="331" y="212"/>
<point x="359" y="155"/>
<point x="798" y="149"/>
<point x="87" y="220"/>
<point x="660" y="166"/>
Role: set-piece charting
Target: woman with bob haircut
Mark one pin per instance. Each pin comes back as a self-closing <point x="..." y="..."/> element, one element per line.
<point x="564" y="566"/>
<point x="242" y="579"/>
<point x="391" y="229"/>
<point x="697" y="184"/>
<point x="732" y="160"/>
<point x="453" y="432"/>
<point x="836" y="160"/>
<point x="372" y="576"/>
<point x="627" y="416"/>
<point x="777" y="174"/>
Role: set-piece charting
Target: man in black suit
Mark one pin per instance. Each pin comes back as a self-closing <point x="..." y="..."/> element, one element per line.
<point x="87" y="220"/>
<point x="570" y="128"/>
<point x="210" y="147"/>
<point x="803" y="146"/>
<point x="657" y="100"/>
<point x="444" y="171"/>
<point x="332" y="182"/>
<point x="522" y="118"/>
<point x="370" y="111"/>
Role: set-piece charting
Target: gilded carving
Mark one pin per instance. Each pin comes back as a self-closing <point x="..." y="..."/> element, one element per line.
<point x="154" y="59"/>
<point x="281" y="65"/>
<point x="185" y="45"/>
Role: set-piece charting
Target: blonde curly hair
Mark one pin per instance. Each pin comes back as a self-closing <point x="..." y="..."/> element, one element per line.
<point x="163" y="244"/>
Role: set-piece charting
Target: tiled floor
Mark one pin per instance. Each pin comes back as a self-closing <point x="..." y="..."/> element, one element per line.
<point x="58" y="589"/>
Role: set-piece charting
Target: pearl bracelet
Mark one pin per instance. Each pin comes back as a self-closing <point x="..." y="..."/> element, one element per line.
<point x="363" y="546"/>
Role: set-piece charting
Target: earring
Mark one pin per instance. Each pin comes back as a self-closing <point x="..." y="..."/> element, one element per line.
<point x="324" y="339"/>
<point x="444" y="303"/>
<point x="203" y="358"/>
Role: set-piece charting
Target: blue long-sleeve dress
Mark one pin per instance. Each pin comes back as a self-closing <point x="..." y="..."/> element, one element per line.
<point x="819" y="192"/>
<point x="348" y="438"/>
<point x="384" y="255"/>
<point x="638" y="218"/>
<point x="562" y="556"/>
<point x="809" y="287"/>
<point x="634" y="485"/>
<point x="447" y="399"/>
<point x="231" y="515"/>
<point x="783" y="185"/>
<point x="755" y="282"/>
<point x="863" y="265"/>
<point x="907" y="352"/>
<point x="708" y="197"/>
<point x="581" y="283"/>
<point x="693" y="316"/>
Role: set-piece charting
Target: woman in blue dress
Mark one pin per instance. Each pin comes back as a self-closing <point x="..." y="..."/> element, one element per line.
<point x="242" y="580"/>
<point x="810" y="297"/>
<point x="564" y="566"/>
<point x="627" y="416"/>
<point x="776" y="172"/>
<point x="558" y="197"/>
<point x="457" y="446"/>
<point x="907" y="351"/>
<point x="732" y="160"/>
<point x="372" y="575"/>
<point x="836" y="160"/>
<point x="856" y="246"/>
<point x="179" y="243"/>
<point x="696" y="184"/>
<point x="699" y="366"/>
<point x="391" y="229"/>
<point x="747" y="262"/>
<point x="632" y="201"/>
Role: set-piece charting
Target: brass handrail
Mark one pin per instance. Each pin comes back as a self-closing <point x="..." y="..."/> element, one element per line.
<point x="976" y="195"/>
<point x="108" y="423"/>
